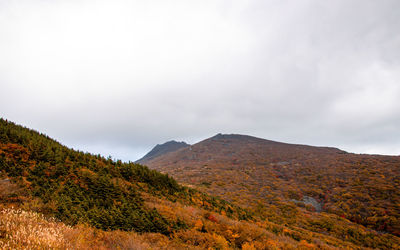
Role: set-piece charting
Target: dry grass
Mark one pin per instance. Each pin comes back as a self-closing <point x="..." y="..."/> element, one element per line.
<point x="28" y="230"/>
<point x="20" y="229"/>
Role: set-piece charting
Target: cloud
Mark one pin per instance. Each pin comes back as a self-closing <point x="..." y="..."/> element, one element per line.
<point x="118" y="77"/>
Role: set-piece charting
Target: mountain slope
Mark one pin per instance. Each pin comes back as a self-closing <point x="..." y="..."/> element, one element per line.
<point x="161" y="149"/>
<point x="257" y="173"/>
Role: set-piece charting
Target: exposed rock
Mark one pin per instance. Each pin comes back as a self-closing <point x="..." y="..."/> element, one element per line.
<point x="310" y="201"/>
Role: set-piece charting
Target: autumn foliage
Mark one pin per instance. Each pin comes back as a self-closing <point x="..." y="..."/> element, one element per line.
<point x="55" y="197"/>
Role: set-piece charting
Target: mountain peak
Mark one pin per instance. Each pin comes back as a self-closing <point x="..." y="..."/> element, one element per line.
<point x="220" y="136"/>
<point x="161" y="149"/>
<point x="240" y="138"/>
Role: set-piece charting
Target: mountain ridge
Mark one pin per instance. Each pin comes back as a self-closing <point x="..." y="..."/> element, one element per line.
<point x="228" y="138"/>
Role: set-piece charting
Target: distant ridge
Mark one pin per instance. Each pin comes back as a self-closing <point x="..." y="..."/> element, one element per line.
<point x="226" y="147"/>
<point x="238" y="138"/>
<point x="161" y="149"/>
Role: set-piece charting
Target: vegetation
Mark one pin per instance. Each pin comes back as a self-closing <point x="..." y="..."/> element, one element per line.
<point x="54" y="197"/>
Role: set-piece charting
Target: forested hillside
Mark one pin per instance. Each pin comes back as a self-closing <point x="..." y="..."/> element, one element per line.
<point x="80" y="187"/>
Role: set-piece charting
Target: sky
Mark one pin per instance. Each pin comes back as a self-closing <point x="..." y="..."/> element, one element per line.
<point x="118" y="77"/>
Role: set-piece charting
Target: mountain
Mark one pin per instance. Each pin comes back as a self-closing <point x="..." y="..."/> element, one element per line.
<point x="53" y="197"/>
<point x="258" y="173"/>
<point x="159" y="150"/>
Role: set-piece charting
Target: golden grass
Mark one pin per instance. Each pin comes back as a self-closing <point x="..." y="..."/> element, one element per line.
<point x="20" y="229"/>
<point x="29" y="230"/>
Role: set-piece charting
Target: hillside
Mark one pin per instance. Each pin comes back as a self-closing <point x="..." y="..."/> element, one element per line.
<point x="267" y="176"/>
<point x="55" y="197"/>
<point x="161" y="149"/>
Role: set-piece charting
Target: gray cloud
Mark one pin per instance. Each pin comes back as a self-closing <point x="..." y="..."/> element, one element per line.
<point x="118" y="77"/>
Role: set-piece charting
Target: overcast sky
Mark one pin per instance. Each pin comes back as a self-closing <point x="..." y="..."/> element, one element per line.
<point x="117" y="77"/>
